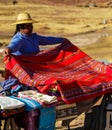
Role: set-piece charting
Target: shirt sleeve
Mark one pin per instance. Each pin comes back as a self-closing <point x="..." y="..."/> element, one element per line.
<point x="44" y="40"/>
<point x="15" y="45"/>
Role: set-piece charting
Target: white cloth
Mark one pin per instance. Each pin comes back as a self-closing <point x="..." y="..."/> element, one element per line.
<point x="10" y="103"/>
<point x="43" y="98"/>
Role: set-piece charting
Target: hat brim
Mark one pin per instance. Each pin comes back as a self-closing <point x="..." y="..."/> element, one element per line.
<point x="23" y="22"/>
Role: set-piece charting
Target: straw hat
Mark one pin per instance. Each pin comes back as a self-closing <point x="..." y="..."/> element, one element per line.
<point x="24" y="18"/>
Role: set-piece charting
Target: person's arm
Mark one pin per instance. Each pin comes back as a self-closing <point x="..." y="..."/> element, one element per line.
<point x="43" y="40"/>
<point x="14" y="46"/>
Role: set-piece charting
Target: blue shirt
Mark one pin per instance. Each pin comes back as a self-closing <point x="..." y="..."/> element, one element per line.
<point x="22" y="44"/>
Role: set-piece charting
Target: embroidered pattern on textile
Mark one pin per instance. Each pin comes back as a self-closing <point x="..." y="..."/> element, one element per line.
<point x="76" y="75"/>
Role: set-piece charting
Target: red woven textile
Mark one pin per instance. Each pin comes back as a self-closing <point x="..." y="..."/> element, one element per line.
<point x="76" y="75"/>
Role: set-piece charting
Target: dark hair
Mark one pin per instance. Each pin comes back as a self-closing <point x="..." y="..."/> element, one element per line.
<point x="18" y="27"/>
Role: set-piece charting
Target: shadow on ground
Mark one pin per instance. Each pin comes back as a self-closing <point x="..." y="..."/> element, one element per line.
<point x="79" y="128"/>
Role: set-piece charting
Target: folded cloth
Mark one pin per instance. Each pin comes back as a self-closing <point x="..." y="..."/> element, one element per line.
<point x="8" y="83"/>
<point x="10" y="103"/>
<point x="47" y="116"/>
<point x="28" y="119"/>
<point x="75" y="74"/>
<point x="30" y="104"/>
<point x="39" y="97"/>
<point x="19" y="87"/>
<point x="47" y="119"/>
